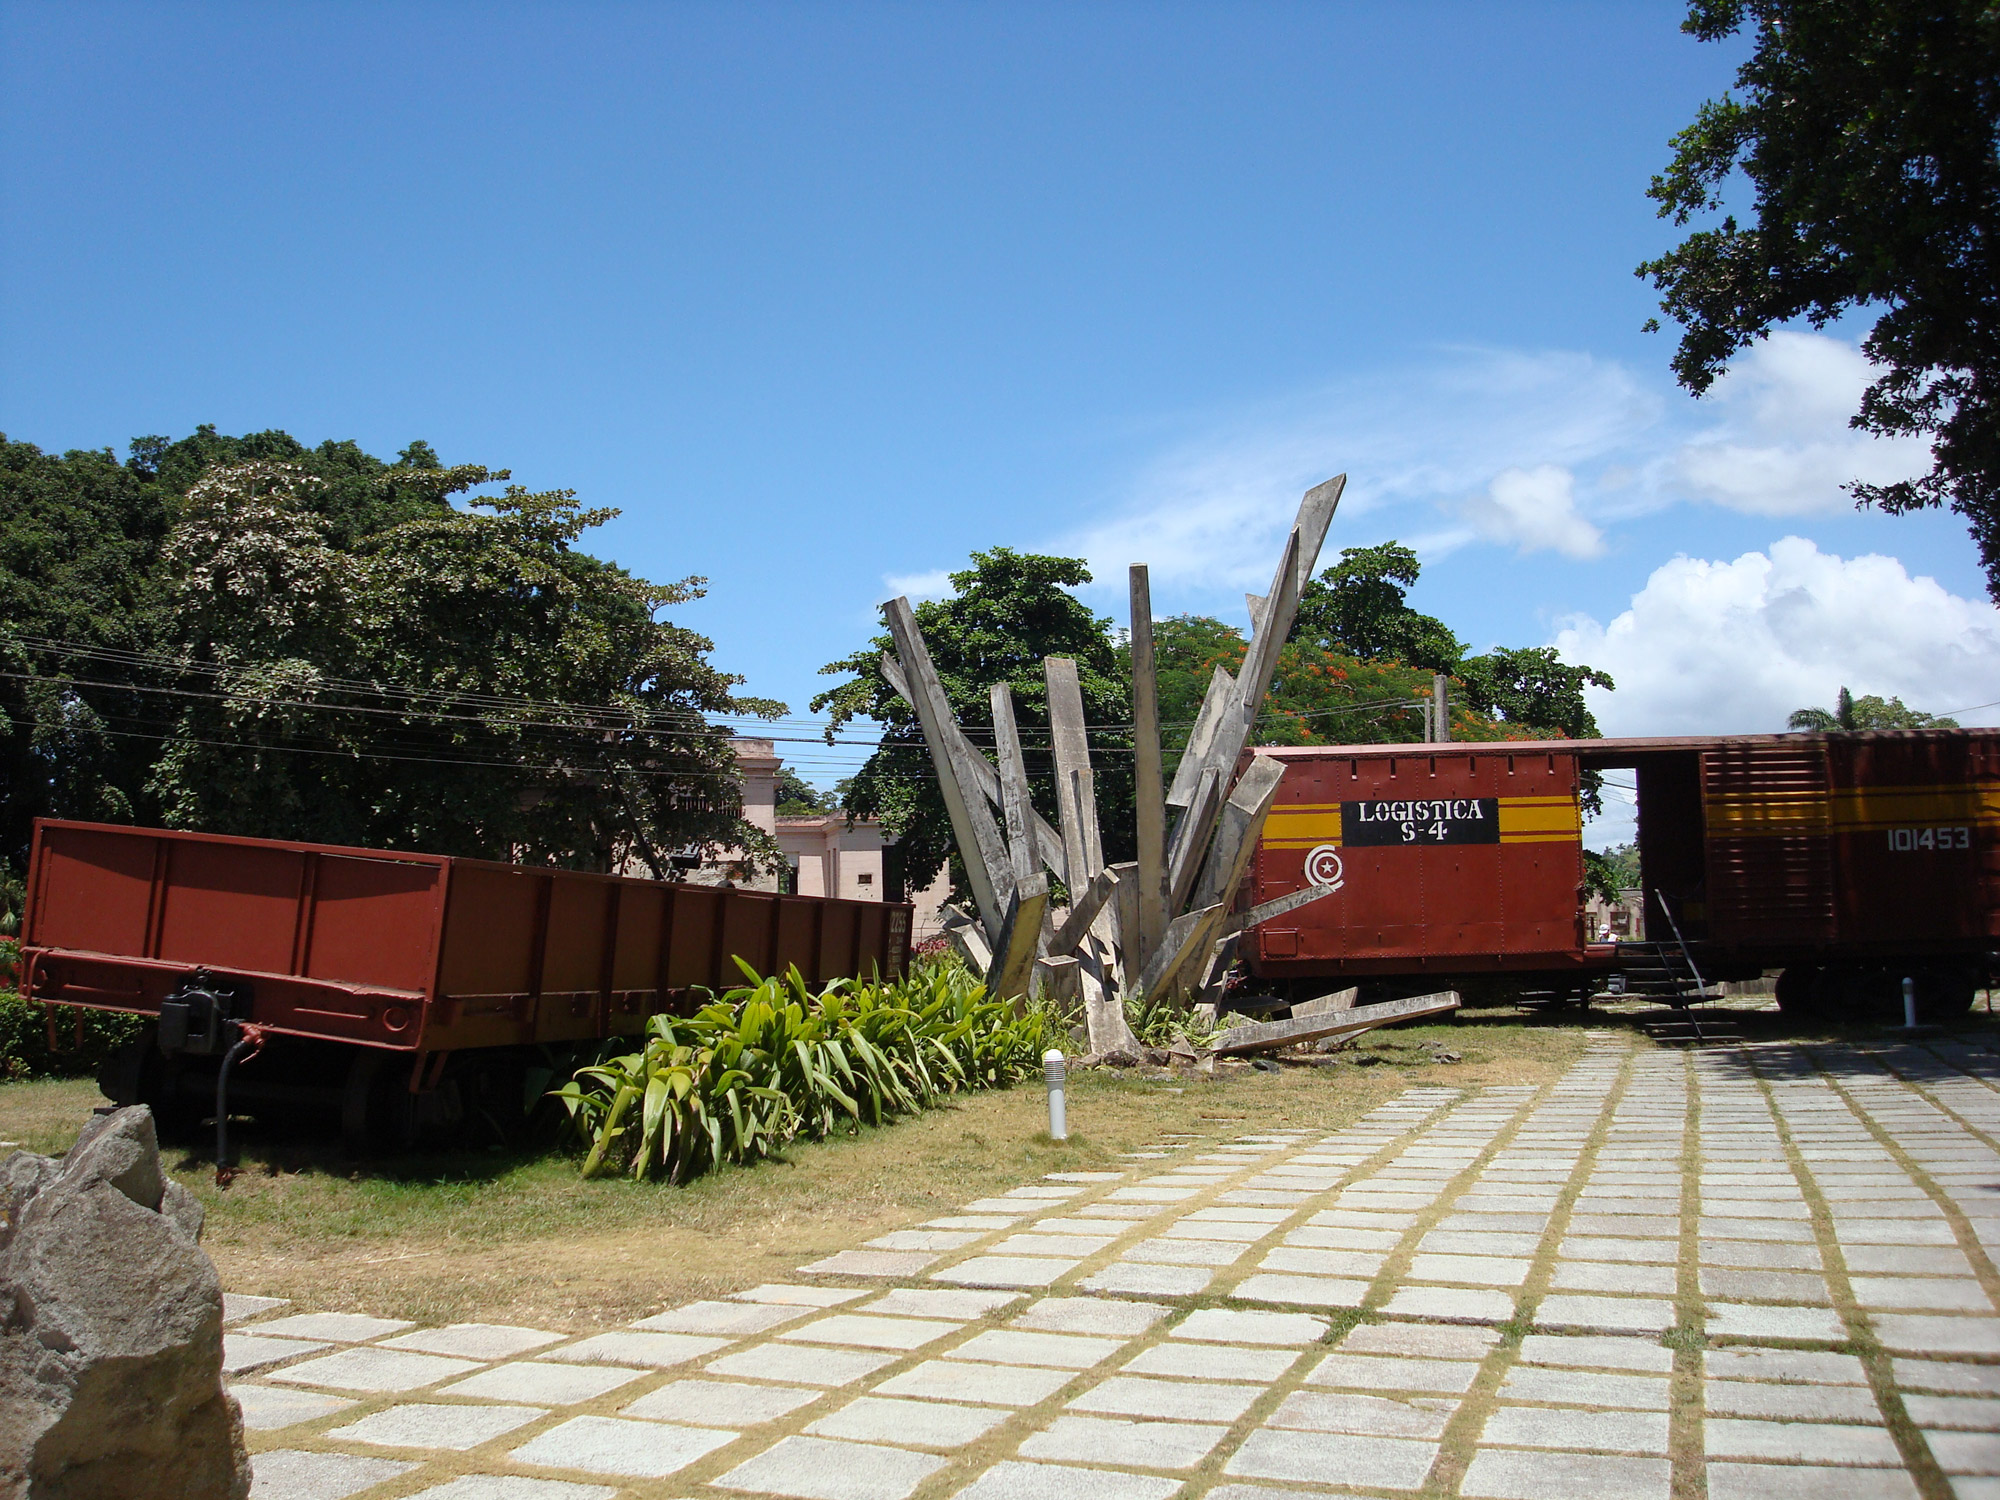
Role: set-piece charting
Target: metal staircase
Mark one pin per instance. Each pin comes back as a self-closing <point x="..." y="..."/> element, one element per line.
<point x="1660" y="971"/>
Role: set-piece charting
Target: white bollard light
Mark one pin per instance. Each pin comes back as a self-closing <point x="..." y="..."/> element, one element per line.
<point x="1909" y="1005"/>
<point x="1052" y="1072"/>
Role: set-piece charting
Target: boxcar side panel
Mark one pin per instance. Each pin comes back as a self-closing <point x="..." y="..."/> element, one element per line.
<point x="93" y="891"/>
<point x="642" y="923"/>
<point x="491" y="931"/>
<point x="373" y="921"/>
<point x="749" y="932"/>
<point x="1914" y="829"/>
<point x="1770" y="846"/>
<point x="693" y="948"/>
<point x="230" y="906"/>
<point x="798" y="936"/>
<point x="839" y="942"/>
<point x="1469" y="858"/>
<point x="579" y="914"/>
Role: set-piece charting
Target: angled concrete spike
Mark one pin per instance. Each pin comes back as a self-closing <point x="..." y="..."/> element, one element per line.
<point x="1237" y="831"/>
<point x="1016" y="802"/>
<point x="1123" y="909"/>
<point x="1189" y="935"/>
<point x="1190" y="839"/>
<point x="1058" y="979"/>
<point x="1338" y="1000"/>
<point x="1148" y="782"/>
<point x="980" y="848"/>
<point x="1277" y="906"/>
<point x="1263" y="1036"/>
<point x="1076" y="793"/>
<point x="1103" y="1008"/>
<point x="892" y="673"/>
<point x="1083" y="913"/>
<point x="1221" y="958"/>
<point x="1234" y="730"/>
<point x="1256" y="603"/>
<point x="1014" y="954"/>
<point x="1219" y="699"/>
<point x="1048" y="842"/>
<point x="1261" y="662"/>
<point x="970" y="941"/>
<point x="1315" y="516"/>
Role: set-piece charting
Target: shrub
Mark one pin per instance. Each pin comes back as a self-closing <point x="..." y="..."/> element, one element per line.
<point x="749" y="1073"/>
<point x="83" y="1038"/>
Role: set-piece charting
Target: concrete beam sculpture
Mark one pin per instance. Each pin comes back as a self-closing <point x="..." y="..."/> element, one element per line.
<point x="1162" y="924"/>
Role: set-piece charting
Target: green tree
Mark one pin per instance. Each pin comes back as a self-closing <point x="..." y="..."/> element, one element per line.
<point x="1867" y="712"/>
<point x="1531" y="687"/>
<point x="1865" y="130"/>
<point x="1007" y="611"/>
<point x="1609" y="871"/>
<point x="461" y="682"/>
<point x="251" y="636"/>
<point x="799" y="798"/>
<point x="79" y="539"/>
<point x="1359" y="607"/>
<point x="1317" y="696"/>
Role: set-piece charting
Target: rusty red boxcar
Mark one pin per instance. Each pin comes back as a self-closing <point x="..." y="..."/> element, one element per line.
<point x="1457" y="860"/>
<point x="1849" y="861"/>
<point x="406" y="961"/>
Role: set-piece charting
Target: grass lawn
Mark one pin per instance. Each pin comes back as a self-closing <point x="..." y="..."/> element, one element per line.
<point x="513" y="1238"/>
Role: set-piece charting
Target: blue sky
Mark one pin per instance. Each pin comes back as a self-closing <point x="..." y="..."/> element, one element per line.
<point x="825" y="296"/>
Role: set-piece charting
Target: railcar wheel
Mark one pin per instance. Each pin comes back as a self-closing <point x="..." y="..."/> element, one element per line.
<point x="1944" y="995"/>
<point x="1798" y="990"/>
<point x="376" y="1110"/>
<point x="138" y="1074"/>
<point x="378" y="1113"/>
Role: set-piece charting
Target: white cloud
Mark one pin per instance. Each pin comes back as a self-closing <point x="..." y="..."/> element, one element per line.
<point x="1432" y="441"/>
<point x="1535" y="451"/>
<point x="936" y="584"/>
<point x="1535" y="509"/>
<point x="1782" y="446"/>
<point x="1734" y="647"/>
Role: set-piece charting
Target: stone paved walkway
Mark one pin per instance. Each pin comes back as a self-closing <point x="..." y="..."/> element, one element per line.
<point x="1758" y="1273"/>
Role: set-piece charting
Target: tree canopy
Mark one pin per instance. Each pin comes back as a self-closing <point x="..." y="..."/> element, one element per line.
<point x="1345" y="676"/>
<point x="799" y="798"/>
<point x="1866" y="712"/>
<point x="1866" y="132"/>
<point x="1007" y="611"/>
<point x="248" y="636"/>
<point x="1359" y="607"/>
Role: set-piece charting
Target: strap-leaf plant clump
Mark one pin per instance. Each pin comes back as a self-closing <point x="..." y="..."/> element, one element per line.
<point x="766" y="1064"/>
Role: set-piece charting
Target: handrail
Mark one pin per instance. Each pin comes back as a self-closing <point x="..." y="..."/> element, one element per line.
<point x="1699" y="983"/>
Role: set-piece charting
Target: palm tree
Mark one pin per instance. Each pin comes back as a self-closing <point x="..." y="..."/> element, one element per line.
<point x="1820" y="721"/>
<point x="1870" y="712"/>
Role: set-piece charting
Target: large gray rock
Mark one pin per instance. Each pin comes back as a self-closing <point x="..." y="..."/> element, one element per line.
<point x="111" y="1329"/>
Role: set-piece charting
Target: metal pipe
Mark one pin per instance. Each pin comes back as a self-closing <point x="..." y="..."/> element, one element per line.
<point x="1052" y="1074"/>
<point x="1909" y="1003"/>
<point x="247" y="1040"/>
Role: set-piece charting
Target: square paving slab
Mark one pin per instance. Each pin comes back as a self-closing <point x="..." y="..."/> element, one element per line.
<point x="1188" y="1357"/>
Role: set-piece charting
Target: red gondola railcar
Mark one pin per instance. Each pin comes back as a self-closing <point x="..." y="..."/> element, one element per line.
<point x="400" y="963"/>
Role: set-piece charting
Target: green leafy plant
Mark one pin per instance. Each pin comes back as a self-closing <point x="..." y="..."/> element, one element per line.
<point x="749" y="1073"/>
<point x="1160" y="1023"/>
<point x="34" y="1045"/>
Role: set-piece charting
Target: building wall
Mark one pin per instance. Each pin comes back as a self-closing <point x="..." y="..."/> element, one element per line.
<point x="1625" y="918"/>
<point x="828" y="858"/>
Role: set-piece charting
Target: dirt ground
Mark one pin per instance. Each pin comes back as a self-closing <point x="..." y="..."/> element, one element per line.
<point x="521" y="1238"/>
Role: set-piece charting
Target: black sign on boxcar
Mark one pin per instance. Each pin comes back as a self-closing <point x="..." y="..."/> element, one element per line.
<point x="1435" y="820"/>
